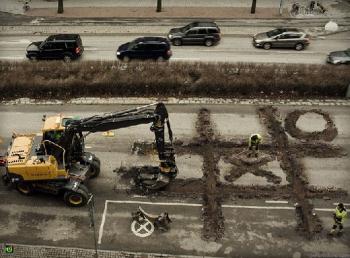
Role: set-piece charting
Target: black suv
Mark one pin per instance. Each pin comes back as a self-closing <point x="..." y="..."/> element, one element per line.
<point x="207" y="33"/>
<point x="282" y="38"/>
<point x="61" y="46"/>
<point x="157" y="48"/>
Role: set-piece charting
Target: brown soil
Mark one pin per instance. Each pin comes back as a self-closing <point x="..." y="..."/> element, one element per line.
<point x="212" y="192"/>
<point x="328" y="134"/>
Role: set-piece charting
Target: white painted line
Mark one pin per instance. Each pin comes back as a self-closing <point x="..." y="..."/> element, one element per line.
<point x="159" y="203"/>
<point x="336" y="203"/>
<point x="276" y="201"/>
<point x="100" y="232"/>
<point x="88" y="147"/>
<point x="259" y="207"/>
<point x="185" y="58"/>
<point x="191" y="205"/>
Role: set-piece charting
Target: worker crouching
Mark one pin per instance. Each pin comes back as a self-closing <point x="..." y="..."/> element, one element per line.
<point x="254" y="141"/>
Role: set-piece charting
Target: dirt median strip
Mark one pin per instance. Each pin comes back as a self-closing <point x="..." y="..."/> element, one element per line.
<point x="61" y="81"/>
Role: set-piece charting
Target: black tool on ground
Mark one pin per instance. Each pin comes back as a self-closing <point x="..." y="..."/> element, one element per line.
<point x="160" y="222"/>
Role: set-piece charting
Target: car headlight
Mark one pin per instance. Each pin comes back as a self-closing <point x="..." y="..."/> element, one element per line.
<point x="118" y="53"/>
<point x="170" y="36"/>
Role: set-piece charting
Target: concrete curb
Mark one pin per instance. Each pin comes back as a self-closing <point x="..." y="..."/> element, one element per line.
<point x="176" y="101"/>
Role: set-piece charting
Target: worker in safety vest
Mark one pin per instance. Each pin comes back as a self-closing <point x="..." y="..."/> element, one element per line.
<point x="339" y="217"/>
<point x="254" y="141"/>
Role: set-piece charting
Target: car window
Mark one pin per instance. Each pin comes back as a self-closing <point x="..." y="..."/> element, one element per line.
<point x="347" y="52"/>
<point x="294" y="36"/>
<point x="284" y="36"/>
<point x="192" y="32"/>
<point x="70" y="44"/>
<point x="273" y="33"/>
<point x="140" y="47"/>
<point x="49" y="45"/>
<point x="212" y="31"/>
<point x="202" y="31"/>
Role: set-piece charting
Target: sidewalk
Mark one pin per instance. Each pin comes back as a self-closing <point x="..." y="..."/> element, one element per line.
<point x="173" y="8"/>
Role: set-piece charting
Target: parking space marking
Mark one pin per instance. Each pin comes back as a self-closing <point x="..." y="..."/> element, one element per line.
<point x="267" y="201"/>
<point x="193" y="205"/>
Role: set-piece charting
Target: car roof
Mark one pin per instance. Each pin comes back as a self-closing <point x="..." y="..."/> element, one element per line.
<point x="63" y="37"/>
<point x="204" y="24"/>
<point x="155" y="40"/>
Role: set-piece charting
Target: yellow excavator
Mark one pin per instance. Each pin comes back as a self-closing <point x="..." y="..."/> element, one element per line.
<point x="55" y="161"/>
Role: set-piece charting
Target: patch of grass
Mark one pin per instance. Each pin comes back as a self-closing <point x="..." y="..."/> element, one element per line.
<point x="58" y="80"/>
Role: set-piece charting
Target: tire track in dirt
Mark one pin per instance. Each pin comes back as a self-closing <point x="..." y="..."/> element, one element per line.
<point x="309" y="221"/>
<point x="213" y="220"/>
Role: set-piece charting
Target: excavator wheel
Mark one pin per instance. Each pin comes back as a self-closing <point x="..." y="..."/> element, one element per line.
<point x="95" y="168"/>
<point x="76" y="198"/>
<point x="24" y="188"/>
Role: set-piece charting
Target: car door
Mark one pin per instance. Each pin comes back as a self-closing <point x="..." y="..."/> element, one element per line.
<point x="190" y="36"/>
<point x="202" y="34"/>
<point x="52" y="50"/>
<point x="282" y="41"/>
<point x="139" y="51"/>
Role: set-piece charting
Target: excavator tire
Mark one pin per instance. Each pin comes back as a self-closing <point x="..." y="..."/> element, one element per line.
<point x="76" y="198"/>
<point x="95" y="168"/>
<point x="24" y="188"/>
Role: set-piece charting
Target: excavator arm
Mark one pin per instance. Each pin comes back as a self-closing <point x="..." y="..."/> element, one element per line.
<point x="72" y="139"/>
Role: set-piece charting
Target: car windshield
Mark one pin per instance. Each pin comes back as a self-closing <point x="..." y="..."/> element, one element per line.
<point x="42" y="44"/>
<point x="187" y="27"/>
<point x="273" y="33"/>
<point x="132" y="44"/>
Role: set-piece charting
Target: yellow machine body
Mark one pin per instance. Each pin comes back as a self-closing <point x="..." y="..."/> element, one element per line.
<point x="22" y="161"/>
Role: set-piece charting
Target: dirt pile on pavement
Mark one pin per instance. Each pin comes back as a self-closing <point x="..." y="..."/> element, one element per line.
<point x="213" y="191"/>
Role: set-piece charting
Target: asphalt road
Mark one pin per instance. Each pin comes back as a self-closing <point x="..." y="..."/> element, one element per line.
<point x="253" y="227"/>
<point x="230" y="49"/>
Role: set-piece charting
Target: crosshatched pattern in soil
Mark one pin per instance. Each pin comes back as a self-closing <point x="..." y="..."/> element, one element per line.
<point x="212" y="148"/>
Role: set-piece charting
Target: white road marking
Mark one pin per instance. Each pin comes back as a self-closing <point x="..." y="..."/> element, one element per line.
<point x="90" y="49"/>
<point x="102" y="223"/>
<point x="336" y="203"/>
<point x="185" y="58"/>
<point x="191" y="205"/>
<point x="276" y="201"/>
<point x="88" y="147"/>
<point x="12" y="57"/>
<point x="21" y="41"/>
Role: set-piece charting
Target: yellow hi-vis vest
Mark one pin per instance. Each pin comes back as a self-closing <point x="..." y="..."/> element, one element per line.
<point x="257" y="141"/>
<point x="340" y="215"/>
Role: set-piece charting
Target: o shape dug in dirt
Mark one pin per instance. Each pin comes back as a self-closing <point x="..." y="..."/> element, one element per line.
<point x="328" y="134"/>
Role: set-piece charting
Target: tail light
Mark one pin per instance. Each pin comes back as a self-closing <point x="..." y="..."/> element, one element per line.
<point x="77" y="50"/>
<point x="2" y="161"/>
<point x="169" y="53"/>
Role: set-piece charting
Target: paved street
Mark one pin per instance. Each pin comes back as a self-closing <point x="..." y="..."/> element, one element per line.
<point x="230" y="49"/>
<point x="261" y="225"/>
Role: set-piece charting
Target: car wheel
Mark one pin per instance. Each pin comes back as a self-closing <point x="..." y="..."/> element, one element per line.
<point x="24" y="188"/>
<point x="95" y="168"/>
<point x="208" y="42"/>
<point x="76" y="198"/>
<point x="160" y="59"/>
<point x="126" y="59"/>
<point x="267" y="46"/>
<point x="177" y="42"/>
<point x="33" y="58"/>
<point x="299" y="47"/>
<point x="67" y="59"/>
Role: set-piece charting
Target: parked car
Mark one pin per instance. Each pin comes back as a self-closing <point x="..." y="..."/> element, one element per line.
<point x="339" y="57"/>
<point x="157" y="48"/>
<point x="60" y="46"/>
<point x="282" y="38"/>
<point x="196" y="33"/>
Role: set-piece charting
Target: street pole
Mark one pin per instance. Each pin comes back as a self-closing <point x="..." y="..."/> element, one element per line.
<point x="159" y="6"/>
<point x="91" y="207"/>
<point x="281" y="7"/>
<point x="60" y="6"/>
<point x="252" y="10"/>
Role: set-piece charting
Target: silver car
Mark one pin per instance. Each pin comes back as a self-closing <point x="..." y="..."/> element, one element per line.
<point x="282" y="38"/>
<point x="339" y="57"/>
